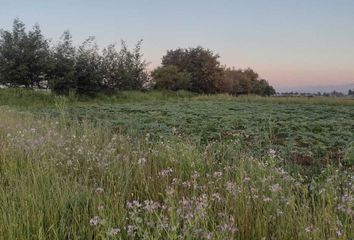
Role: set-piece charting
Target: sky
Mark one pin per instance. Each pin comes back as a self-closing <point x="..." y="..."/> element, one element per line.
<point x="291" y="43"/>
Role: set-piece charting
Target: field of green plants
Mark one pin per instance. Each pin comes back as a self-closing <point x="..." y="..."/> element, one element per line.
<point x="315" y="133"/>
<point x="163" y="165"/>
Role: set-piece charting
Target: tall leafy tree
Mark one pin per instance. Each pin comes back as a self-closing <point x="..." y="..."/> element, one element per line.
<point x="134" y="66"/>
<point x="23" y="57"/>
<point x="237" y="81"/>
<point x="201" y="64"/>
<point x="124" y="69"/>
<point x="63" y="65"/>
<point x="13" y="68"/>
<point x="37" y="56"/>
<point x="88" y="71"/>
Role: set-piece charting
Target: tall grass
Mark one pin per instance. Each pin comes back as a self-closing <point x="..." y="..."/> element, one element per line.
<point x="70" y="180"/>
<point x="29" y="99"/>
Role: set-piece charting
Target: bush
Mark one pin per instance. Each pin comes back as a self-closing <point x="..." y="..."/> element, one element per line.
<point x="169" y="77"/>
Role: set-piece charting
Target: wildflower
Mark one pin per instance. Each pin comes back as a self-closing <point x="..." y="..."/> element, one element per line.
<point x="195" y="175"/>
<point x="272" y="153"/>
<point x="134" y="204"/>
<point x="187" y="184"/>
<point x="279" y="212"/>
<point x="267" y="199"/>
<point x="165" y="172"/>
<point x="275" y="188"/>
<point x="174" y="130"/>
<point x="216" y="197"/>
<point x="151" y="206"/>
<point x="201" y="202"/>
<point x="229" y="227"/>
<point x="99" y="190"/>
<point x="114" y="231"/>
<point x="142" y="161"/>
<point x="309" y="229"/>
<point x="95" y="221"/>
<point x="130" y="230"/>
<point x="231" y="187"/>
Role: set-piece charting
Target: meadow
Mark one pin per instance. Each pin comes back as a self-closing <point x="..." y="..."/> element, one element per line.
<point x="163" y="165"/>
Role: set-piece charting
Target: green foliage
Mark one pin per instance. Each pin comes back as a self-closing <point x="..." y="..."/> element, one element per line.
<point x="201" y="64"/>
<point x="169" y="77"/>
<point x="316" y="133"/>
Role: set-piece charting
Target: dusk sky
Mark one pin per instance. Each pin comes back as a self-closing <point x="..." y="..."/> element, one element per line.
<point x="289" y="43"/>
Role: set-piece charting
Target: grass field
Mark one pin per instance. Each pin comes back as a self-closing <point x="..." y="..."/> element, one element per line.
<point x="163" y="165"/>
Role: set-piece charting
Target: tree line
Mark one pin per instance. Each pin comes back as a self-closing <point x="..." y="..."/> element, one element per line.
<point x="29" y="60"/>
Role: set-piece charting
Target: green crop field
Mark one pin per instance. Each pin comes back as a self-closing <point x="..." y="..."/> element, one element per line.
<point x="319" y="133"/>
<point x="162" y="165"/>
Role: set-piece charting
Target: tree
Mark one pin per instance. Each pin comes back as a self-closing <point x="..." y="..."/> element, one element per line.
<point x="23" y="57"/>
<point x="13" y="68"/>
<point x="246" y="81"/>
<point x="201" y="64"/>
<point x="63" y="66"/>
<point x="88" y="71"/>
<point x="169" y="77"/>
<point x="37" y="57"/>
<point x="123" y="70"/>
<point x="264" y="89"/>
<point x="134" y="65"/>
